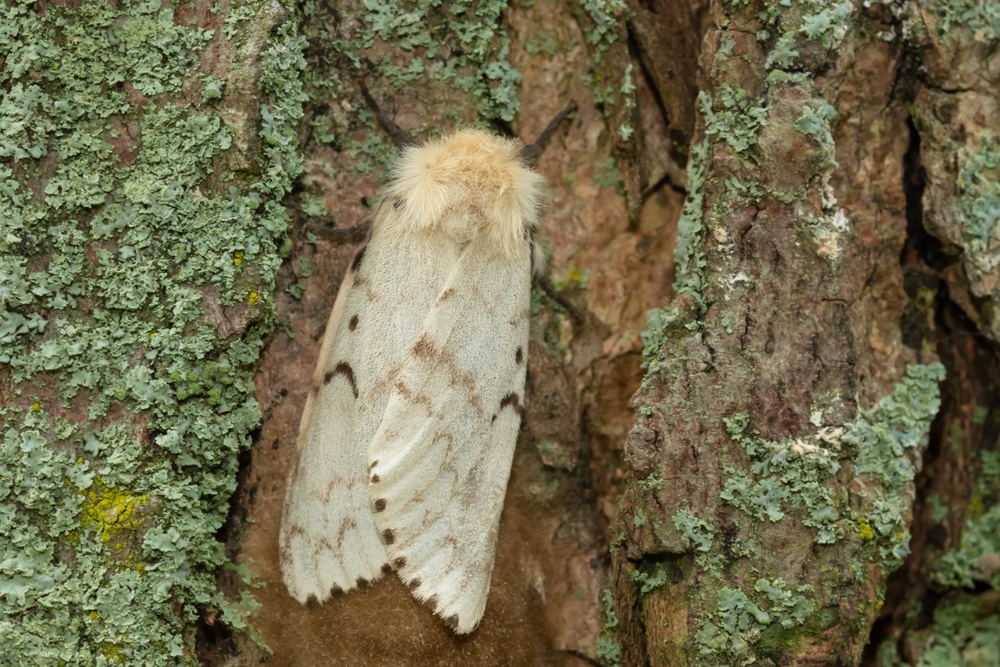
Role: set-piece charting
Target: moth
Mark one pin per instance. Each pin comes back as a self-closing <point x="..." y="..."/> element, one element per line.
<point x="408" y="432"/>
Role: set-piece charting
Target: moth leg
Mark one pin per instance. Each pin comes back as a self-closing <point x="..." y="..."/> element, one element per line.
<point x="550" y="291"/>
<point x="401" y="138"/>
<point x="531" y="152"/>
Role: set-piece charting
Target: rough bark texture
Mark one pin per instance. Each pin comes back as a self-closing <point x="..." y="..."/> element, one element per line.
<point x="770" y="490"/>
<point x="942" y="607"/>
<point x="772" y="464"/>
<point x="144" y="152"/>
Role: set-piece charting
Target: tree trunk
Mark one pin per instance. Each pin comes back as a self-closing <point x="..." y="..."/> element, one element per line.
<point x="144" y="152"/>
<point x="810" y="447"/>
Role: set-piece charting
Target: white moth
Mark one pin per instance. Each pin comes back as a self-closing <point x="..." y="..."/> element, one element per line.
<point x="406" y="441"/>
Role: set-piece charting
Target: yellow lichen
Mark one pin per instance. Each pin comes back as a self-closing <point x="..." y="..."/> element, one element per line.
<point x="112" y="652"/>
<point x="113" y="513"/>
<point x="865" y="531"/>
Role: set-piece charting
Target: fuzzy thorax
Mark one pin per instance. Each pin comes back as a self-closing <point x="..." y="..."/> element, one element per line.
<point x="468" y="183"/>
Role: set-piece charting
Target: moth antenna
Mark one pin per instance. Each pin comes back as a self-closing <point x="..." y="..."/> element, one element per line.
<point x="401" y="138"/>
<point x="334" y="234"/>
<point x="532" y="152"/>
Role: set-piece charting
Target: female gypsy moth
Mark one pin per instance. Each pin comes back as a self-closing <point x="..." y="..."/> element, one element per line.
<point x="408" y="433"/>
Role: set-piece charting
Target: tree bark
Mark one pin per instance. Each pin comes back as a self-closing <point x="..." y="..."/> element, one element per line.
<point x="144" y="152"/>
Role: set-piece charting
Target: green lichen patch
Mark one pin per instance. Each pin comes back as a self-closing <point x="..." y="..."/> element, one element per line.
<point x="814" y="122"/>
<point x="979" y="192"/>
<point x="135" y="284"/>
<point x="608" y="650"/>
<point x="976" y="561"/>
<point x="965" y="633"/>
<point x="606" y="16"/>
<point x="797" y="474"/>
<point x="738" y="623"/>
<point x="799" y="30"/>
<point x="981" y="17"/>
<point x="688" y="254"/>
<point x="655" y="336"/>
<point x="648" y="580"/>
<point x="733" y="117"/>
<point x="789" y="474"/>
<point x="696" y="534"/>
<point x="799" y="480"/>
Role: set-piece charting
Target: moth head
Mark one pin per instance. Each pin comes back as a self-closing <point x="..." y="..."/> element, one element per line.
<point x="467" y="184"/>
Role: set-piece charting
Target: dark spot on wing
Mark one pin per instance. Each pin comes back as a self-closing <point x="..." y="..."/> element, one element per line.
<point x="375" y="479"/>
<point x="512" y="400"/>
<point x="353" y="324"/>
<point x="342" y="368"/>
<point x="432" y="601"/>
<point x="452" y="622"/>
<point x="356" y="264"/>
<point x="423" y="348"/>
<point x="398" y="204"/>
<point x="446" y="294"/>
<point x="388" y="536"/>
<point x="386" y="568"/>
<point x="373" y="464"/>
<point x="414" y="584"/>
<point x="336" y="590"/>
<point x="518" y="355"/>
<point x="380" y="505"/>
<point x="362" y="582"/>
<point x="400" y="562"/>
<point x="311" y="601"/>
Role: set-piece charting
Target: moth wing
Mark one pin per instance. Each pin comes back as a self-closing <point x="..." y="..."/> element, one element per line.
<point x="329" y="542"/>
<point x="328" y="539"/>
<point x="440" y="460"/>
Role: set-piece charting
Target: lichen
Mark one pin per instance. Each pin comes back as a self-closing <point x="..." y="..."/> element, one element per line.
<point x="798" y="474"/>
<point x="608" y="650"/>
<point x="688" y="253"/>
<point x="649" y="580"/>
<point x="982" y="17"/>
<point x="733" y="118"/>
<point x="655" y="336"/>
<point x="606" y="16"/>
<point x="792" y="24"/>
<point x="799" y="480"/>
<point x="136" y="289"/>
<point x="979" y="200"/>
<point x="696" y="534"/>
<point x="964" y="633"/>
<point x="736" y="625"/>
